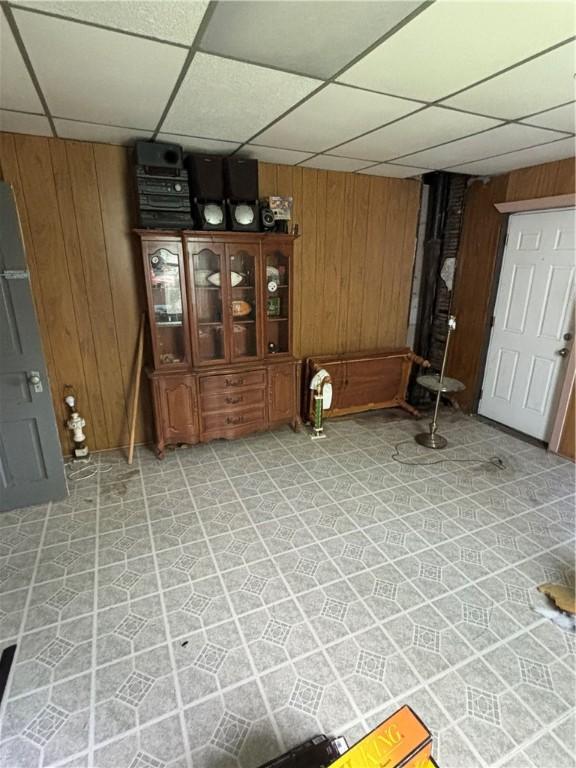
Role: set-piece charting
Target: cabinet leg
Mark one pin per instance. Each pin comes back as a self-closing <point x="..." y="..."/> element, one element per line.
<point x="296" y="424"/>
<point x="409" y="408"/>
<point x="160" y="451"/>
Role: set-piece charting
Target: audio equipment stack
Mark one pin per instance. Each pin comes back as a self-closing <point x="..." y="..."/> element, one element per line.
<point x="205" y="179"/>
<point x="162" y="187"/>
<point x="241" y="191"/>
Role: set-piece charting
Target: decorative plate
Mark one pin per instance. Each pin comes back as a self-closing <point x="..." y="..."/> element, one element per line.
<point x="235" y="279"/>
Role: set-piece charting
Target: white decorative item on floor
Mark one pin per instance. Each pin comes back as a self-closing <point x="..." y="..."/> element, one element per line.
<point x="76" y="424"/>
<point x="322" y="386"/>
<point x="439" y="384"/>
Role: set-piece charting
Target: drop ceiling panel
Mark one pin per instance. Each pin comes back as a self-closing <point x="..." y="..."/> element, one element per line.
<point x="426" y="128"/>
<point x="99" y="76"/>
<point x="336" y="114"/>
<point x="540" y="84"/>
<point x="232" y="100"/>
<point x="331" y="163"/>
<point x="195" y="144"/>
<point x="545" y="153"/>
<point x="494" y="142"/>
<point x="16" y="88"/>
<point x="394" y="171"/>
<point x="177" y="22"/>
<point x="451" y="45"/>
<point x="561" y="119"/>
<point x="70" y="129"/>
<point x="315" y="38"/>
<point x="274" y="155"/>
<point x="20" y="122"/>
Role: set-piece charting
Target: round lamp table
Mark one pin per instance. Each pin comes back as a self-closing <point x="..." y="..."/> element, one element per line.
<point x="435" y="382"/>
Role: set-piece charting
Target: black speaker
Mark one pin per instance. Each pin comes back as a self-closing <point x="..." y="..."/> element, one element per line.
<point x="156" y="154"/>
<point x="240" y="179"/>
<point x="205" y="176"/>
<point x="267" y="219"/>
<point x="244" y="217"/>
<point x="210" y="215"/>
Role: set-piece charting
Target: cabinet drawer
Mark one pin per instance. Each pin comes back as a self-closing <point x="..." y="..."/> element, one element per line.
<point x="226" y="401"/>
<point x="232" y="381"/>
<point x="231" y="419"/>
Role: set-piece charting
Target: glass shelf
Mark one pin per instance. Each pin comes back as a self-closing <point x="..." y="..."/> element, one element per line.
<point x="165" y="280"/>
<point x="277" y="269"/>
<point x="209" y="303"/>
<point x="244" y="259"/>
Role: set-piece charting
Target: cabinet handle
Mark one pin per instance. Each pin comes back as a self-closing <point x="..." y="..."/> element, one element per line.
<point x="234" y="400"/>
<point x="234" y="419"/>
<point x="234" y="382"/>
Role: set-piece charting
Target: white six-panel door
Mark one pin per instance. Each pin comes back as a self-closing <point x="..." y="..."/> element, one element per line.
<point x="534" y="313"/>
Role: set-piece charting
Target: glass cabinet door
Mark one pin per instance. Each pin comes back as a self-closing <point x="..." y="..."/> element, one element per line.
<point x="207" y="276"/>
<point x="168" y="321"/>
<point x="277" y="292"/>
<point x="243" y="273"/>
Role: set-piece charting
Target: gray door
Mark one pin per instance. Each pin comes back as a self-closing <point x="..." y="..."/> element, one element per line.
<point x="31" y="466"/>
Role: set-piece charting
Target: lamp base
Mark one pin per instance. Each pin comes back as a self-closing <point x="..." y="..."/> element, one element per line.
<point x="431" y="440"/>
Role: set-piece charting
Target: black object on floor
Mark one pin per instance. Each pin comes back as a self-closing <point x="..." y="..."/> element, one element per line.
<point x="5" y="666"/>
<point x="318" y="752"/>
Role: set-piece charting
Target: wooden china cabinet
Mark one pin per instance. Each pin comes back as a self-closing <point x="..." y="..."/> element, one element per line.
<point x="220" y="315"/>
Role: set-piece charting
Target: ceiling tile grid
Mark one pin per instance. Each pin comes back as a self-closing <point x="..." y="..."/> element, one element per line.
<point x="455" y="43"/>
<point x="274" y="154"/>
<point x="99" y="76"/>
<point x="331" y="163"/>
<point x="171" y="20"/>
<point x="507" y="138"/>
<point x="107" y="134"/>
<point x="233" y="100"/>
<point x="539" y="84"/>
<point x="426" y="128"/>
<point x="333" y="116"/>
<point x="23" y="122"/>
<point x="382" y="88"/>
<point x="17" y="90"/>
<point x="547" y="153"/>
<point x="315" y="37"/>
<point x="394" y="171"/>
<point x="560" y="119"/>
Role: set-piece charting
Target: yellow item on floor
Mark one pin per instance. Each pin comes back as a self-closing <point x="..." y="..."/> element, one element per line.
<point x="401" y="741"/>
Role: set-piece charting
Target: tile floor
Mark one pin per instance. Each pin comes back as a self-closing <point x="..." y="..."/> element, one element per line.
<point x="210" y="610"/>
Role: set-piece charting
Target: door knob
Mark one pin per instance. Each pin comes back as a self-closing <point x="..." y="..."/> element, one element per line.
<point x="563" y="352"/>
<point x="35" y="381"/>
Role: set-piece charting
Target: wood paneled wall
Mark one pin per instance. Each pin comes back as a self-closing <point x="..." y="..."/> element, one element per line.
<point x="354" y="266"/>
<point x="354" y="259"/>
<point x="75" y="205"/>
<point x="478" y="255"/>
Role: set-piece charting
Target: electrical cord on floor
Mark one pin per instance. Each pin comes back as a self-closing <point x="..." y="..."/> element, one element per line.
<point x="396" y="456"/>
<point x="88" y="469"/>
